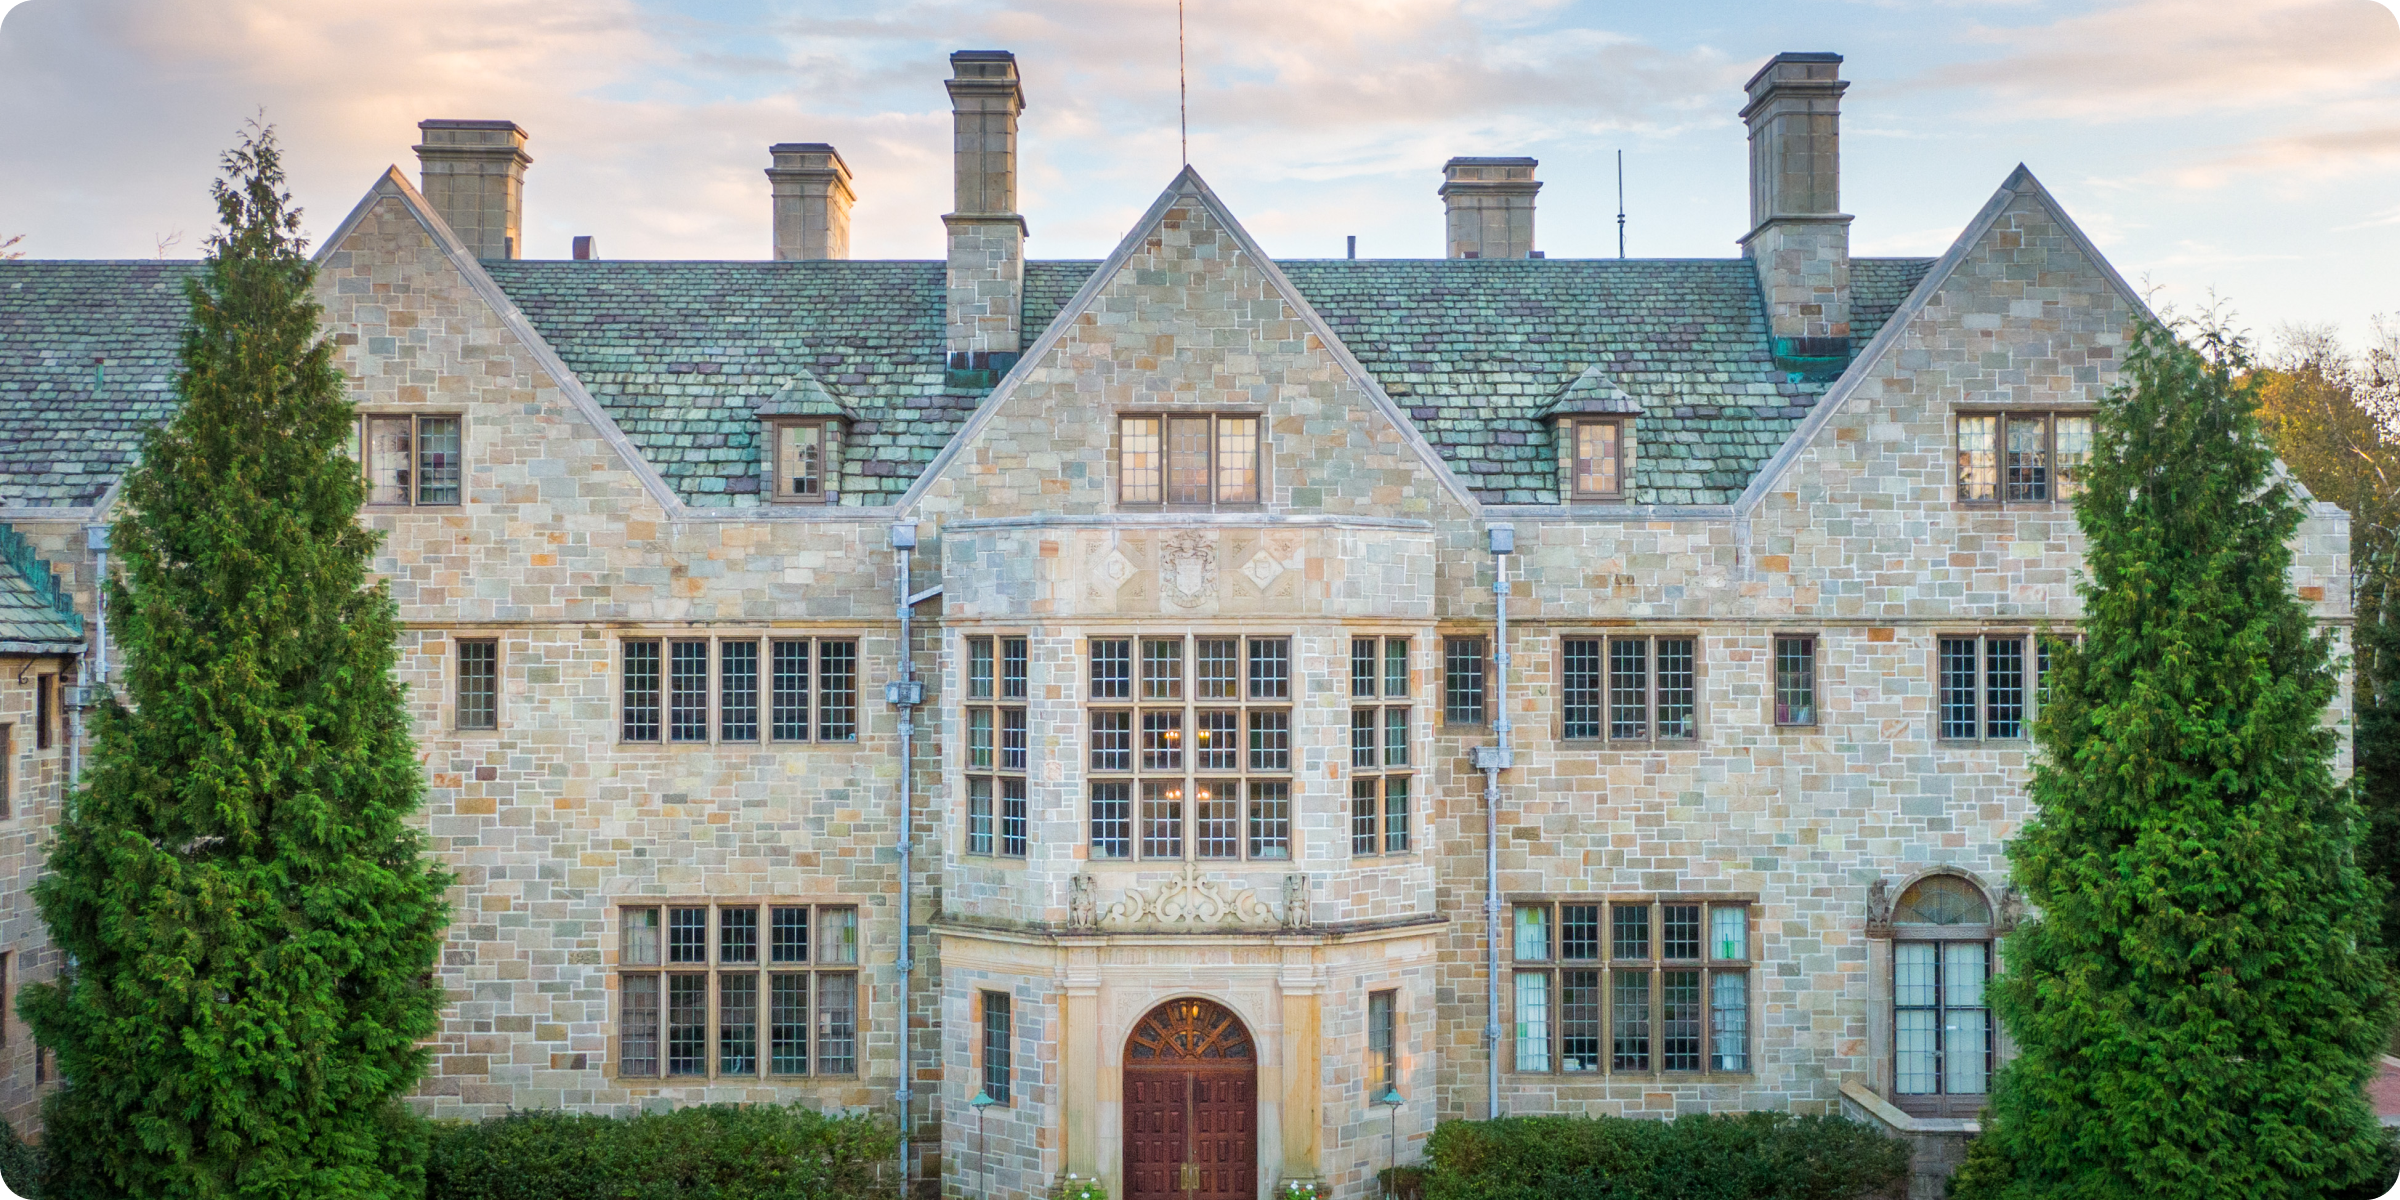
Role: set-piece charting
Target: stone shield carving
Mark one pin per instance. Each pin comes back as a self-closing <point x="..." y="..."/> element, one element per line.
<point x="1187" y="569"/>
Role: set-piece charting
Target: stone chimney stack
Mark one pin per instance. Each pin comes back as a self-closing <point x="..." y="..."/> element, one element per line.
<point x="811" y="184"/>
<point x="987" y="238"/>
<point x="473" y="173"/>
<point x="1799" y="238"/>
<point x="1488" y="207"/>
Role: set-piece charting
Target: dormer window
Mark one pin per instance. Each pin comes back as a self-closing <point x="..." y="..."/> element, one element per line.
<point x="800" y="462"/>
<point x="1599" y="468"/>
<point x="1203" y="460"/>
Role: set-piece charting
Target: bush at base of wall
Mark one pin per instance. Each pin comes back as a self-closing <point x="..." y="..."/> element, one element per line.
<point x="708" y="1152"/>
<point x="1749" y="1156"/>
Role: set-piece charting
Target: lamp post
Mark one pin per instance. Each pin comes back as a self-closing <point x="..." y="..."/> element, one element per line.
<point x="1391" y="1098"/>
<point x="983" y="1162"/>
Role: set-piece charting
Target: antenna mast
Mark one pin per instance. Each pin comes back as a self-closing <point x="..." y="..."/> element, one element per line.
<point x="1620" y="204"/>
<point x="1183" y="103"/>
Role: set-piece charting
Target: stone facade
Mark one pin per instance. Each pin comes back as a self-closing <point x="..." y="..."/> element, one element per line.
<point x="571" y="541"/>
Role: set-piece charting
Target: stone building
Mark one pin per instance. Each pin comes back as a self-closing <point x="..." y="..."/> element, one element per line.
<point x="1189" y="718"/>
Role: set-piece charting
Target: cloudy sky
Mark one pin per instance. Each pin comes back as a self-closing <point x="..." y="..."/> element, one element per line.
<point x="2251" y="147"/>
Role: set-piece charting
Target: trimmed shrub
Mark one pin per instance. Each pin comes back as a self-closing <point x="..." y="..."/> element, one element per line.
<point x="708" y="1152"/>
<point x="1747" y="1156"/>
<point x="21" y="1163"/>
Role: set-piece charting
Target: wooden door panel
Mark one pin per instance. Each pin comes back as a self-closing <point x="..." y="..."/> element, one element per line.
<point x="1191" y="1099"/>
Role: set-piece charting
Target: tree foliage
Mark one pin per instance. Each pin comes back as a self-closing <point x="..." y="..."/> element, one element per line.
<point x="2333" y="418"/>
<point x="247" y="914"/>
<point x="2200" y="1001"/>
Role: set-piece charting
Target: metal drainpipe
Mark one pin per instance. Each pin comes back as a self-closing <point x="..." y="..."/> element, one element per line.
<point x="95" y="537"/>
<point x="1493" y="760"/>
<point x="905" y="694"/>
<point x="78" y="697"/>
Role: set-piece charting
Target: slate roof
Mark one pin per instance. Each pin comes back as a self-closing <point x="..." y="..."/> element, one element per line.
<point x="1474" y="349"/>
<point x="684" y="354"/>
<point x="67" y="430"/>
<point x="35" y="614"/>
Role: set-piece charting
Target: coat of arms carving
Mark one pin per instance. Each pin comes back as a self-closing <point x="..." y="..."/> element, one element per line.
<point x="1187" y="569"/>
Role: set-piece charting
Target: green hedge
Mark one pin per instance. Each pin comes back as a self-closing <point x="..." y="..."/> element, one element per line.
<point x="711" y="1152"/>
<point x="1749" y="1156"/>
<point x="21" y="1164"/>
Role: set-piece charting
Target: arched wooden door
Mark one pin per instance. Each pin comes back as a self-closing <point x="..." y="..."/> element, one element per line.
<point x="1191" y="1105"/>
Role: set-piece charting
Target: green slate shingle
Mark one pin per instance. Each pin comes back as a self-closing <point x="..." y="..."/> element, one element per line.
<point x="70" y="426"/>
<point x="682" y="355"/>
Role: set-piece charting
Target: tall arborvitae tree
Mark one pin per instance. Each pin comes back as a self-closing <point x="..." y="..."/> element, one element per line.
<point x="2200" y="999"/>
<point x="247" y="915"/>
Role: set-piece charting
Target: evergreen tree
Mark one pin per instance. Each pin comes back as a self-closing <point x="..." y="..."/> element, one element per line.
<point x="2201" y="999"/>
<point x="247" y="915"/>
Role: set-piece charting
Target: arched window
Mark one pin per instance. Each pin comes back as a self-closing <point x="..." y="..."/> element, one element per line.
<point x="1943" y="1040"/>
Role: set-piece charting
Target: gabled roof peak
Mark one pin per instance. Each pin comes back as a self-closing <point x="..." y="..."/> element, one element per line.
<point x="1591" y="392"/>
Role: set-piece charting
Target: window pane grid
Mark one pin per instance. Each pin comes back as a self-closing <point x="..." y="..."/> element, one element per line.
<point x="701" y="1016"/>
<point x="1208" y="782"/>
<point x="478" y="683"/>
<point x="1628" y="688"/>
<point x="789" y="713"/>
<point x="837" y="691"/>
<point x="640" y="695"/>
<point x="1580" y="695"/>
<point x="1462" y="681"/>
<point x="1659" y="1016"/>
<point x="1200" y="460"/>
<point x="737" y="691"/>
<point x="687" y="696"/>
<point x="1795" y="680"/>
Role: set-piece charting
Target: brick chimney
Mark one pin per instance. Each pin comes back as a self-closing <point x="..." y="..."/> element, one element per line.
<point x="811" y="184"/>
<point x="1799" y="238"/>
<point x="1487" y="206"/>
<point x="473" y="173"/>
<point x="987" y="238"/>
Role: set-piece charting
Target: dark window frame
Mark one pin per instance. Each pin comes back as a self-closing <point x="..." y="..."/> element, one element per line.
<point x="1603" y="1026"/>
<point x="826" y="715"/>
<point x="1383" y="670"/>
<point x="762" y="967"/>
<point x="778" y="491"/>
<point x="996" y="1020"/>
<point x="1165" y="468"/>
<point x="2054" y="492"/>
<point x="1605" y="706"/>
<point x="998" y="783"/>
<point x="45" y="710"/>
<point x="476" y="713"/>
<point x="1452" y="698"/>
<point x="1118" y="827"/>
<point x="416" y="485"/>
<point x="1574" y="458"/>
<point x="1987" y="714"/>
<point x="1778" y="701"/>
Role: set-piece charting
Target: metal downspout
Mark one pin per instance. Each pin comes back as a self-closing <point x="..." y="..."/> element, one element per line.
<point x="95" y="538"/>
<point x="1493" y="760"/>
<point x="905" y="694"/>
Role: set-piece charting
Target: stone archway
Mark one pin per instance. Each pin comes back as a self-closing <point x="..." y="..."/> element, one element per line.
<point x="1191" y="1105"/>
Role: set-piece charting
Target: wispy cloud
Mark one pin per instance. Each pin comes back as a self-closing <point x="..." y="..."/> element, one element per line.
<point x="2145" y="58"/>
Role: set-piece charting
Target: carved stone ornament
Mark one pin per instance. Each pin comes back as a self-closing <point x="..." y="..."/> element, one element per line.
<point x="2012" y="910"/>
<point x="1295" y="902"/>
<point x="1879" y="909"/>
<point x="1083" y="901"/>
<point x="1187" y="569"/>
<point x="1191" y="898"/>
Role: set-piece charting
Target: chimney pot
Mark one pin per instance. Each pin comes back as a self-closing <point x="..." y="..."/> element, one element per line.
<point x="811" y="186"/>
<point x="986" y="275"/>
<point x="473" y="174"/>
<point x="1488" y="207"/>
<point x="1799" y="239"/>
<point x="587" y="248"/>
